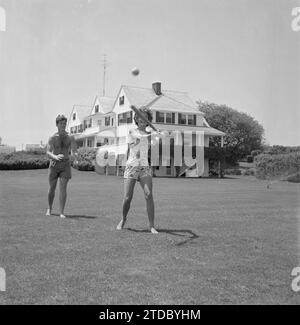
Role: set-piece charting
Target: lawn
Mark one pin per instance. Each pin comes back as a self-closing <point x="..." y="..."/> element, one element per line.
<point x="221" y="241"/>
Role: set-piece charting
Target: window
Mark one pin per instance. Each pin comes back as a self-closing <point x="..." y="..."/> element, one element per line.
<point x="169" y="118"/>
<point x="125" y="118"/>
<point x="121" y="100"/>
<point x="112" y="122"/>
<point x="96" y="108"/>
<point x="107" y="120"/>
<point x="160" y="117"/>
<point x="74" y="116"/>
<point x="182" y="118"/>
<point x="84" y="124"/>
<point x="191" y="119"/>
<point x="129" y="117"/>
<point x="90" y="123"/>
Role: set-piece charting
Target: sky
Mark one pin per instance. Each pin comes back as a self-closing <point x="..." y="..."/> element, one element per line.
<point x="242" y="53"/>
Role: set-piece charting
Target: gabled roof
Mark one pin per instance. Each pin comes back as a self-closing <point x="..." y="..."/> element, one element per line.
<point x="106" y="104"/>
<point x="82" y="111"/>
<point x="168" y="101"/>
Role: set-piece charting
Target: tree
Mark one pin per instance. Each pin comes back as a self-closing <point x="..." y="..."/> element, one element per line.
<point x="243" y="133"/>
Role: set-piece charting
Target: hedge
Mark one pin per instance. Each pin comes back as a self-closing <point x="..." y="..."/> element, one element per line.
<point x="20" y="161"/>
<point x="249" y="172"/>
<point x="272" y="166"/>
<point x="86" y="159"/>
<point x="37" y="160"/>
<point x="233" y="171"/>
<point x="295" y="178"/>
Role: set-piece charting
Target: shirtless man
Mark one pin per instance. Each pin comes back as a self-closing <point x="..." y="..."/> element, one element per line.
<point x="60" y="145"/>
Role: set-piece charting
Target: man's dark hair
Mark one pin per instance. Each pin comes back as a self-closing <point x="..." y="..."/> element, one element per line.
<point x="145" y="111"/>
<point x="60" y="118"/>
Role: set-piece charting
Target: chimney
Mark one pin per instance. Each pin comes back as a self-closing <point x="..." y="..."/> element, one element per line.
<point x="156" y="86"/>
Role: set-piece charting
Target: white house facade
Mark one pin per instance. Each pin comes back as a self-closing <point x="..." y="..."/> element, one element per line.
<point x="108" y="121"/>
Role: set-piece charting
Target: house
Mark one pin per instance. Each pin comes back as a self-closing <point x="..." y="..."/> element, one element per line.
<point x="4" y="149"/>
<point x="108" y="120"/>
<point x="86" y="122"/>
<point x="35" y="147"/>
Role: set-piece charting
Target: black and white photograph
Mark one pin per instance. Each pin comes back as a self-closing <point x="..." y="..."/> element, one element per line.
<point x="149" y="154"/>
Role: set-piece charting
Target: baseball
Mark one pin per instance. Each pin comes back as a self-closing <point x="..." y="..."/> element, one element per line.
<point x="135" y="71"/>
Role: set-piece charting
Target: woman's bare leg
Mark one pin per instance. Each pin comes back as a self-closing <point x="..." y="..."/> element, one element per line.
<point x="146" y="184"/>
<point x="128" y="194"/>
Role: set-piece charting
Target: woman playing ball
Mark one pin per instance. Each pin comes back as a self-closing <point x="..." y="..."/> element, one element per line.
<point x="138" y="169"/>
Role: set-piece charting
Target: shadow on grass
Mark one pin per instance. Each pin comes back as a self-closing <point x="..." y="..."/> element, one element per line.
<point x="80" y="216"/>
<point x="76" y="216"/>
<point x="188" y="234"/>
<point x="199" y="178"/>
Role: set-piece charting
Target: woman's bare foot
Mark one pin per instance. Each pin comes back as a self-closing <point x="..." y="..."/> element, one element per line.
<point x="153" y="230"/>
<point x="121" y="224"/>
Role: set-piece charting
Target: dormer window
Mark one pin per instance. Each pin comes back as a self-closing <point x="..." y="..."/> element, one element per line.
<point x="187" y="119"/>
<point x="160" y="117"/>
<point x="191" y="119"/>
<point x="96" y="109"/>
<point x="74" y="116"/>
<point x="107" y="120"/>
<point x="182" y="119"/>
<point x="170" y="118"/>
<point x="121" y="100"/>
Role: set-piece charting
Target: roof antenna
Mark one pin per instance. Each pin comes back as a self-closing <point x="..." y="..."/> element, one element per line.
<point x="104" y="63"/>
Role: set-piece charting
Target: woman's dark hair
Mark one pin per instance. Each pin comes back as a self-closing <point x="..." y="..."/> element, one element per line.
<point x="145" y="111"/>
<point x="60" y="118"/>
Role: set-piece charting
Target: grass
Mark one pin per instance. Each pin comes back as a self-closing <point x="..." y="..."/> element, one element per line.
<point x="221" y="241"/>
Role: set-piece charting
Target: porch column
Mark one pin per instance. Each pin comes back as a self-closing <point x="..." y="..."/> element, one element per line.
<point x="219" y="163"/>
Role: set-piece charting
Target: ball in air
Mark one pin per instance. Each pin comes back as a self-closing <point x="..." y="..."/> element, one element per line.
<point x="135" y="71"/>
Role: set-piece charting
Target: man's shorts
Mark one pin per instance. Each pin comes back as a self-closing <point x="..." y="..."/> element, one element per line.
<point x="60" y="169"/>
<point x="137" y="172"/>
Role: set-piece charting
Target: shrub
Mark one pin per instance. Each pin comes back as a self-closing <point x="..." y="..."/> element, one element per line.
<point x="213" y="173"/>
<point x="86" y="159"/>
<point x="233" y="171"/>
<point x="277" y="149"/>
<point x="295" y="178"/>
<point x="249" y="172"/>
<point x="85" y="165"/>
<point x="23" y="160"/>
<point x="269" y="166"/>
<point x="255" y="153"/>
<point x="88" y="154"/>
<point x="249" y="159"/>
